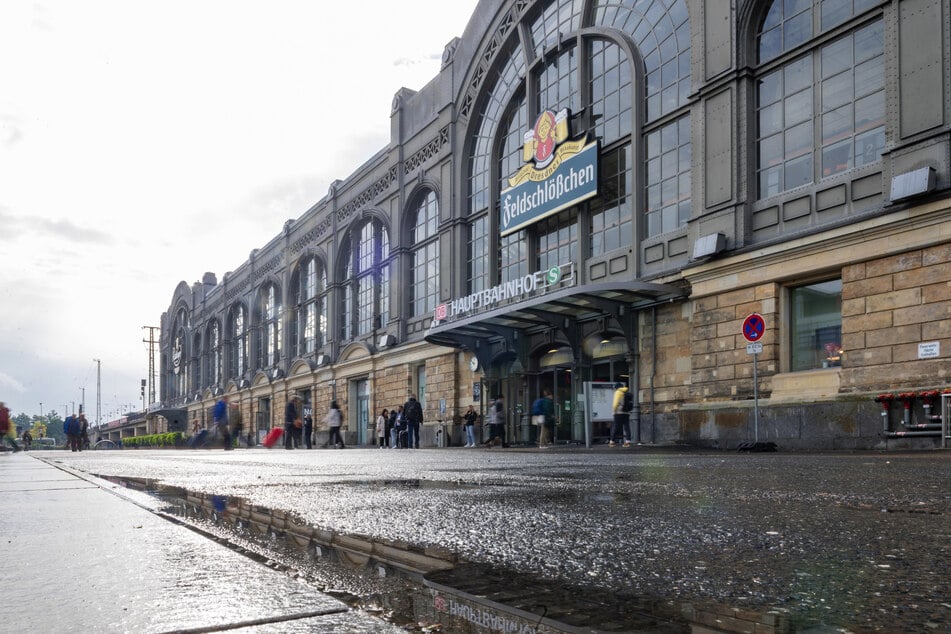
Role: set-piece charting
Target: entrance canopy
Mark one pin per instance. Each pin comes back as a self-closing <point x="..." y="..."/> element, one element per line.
<point x="574" y="303"/>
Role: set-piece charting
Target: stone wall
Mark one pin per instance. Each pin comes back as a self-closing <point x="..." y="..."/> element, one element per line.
<point x="889" y="306"/>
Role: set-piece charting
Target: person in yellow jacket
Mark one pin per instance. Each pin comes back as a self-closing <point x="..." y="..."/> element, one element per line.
<point x="623" y="404"/>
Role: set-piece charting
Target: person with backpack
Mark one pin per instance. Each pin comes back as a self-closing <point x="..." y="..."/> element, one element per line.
<point x="623" y="405"/>
<point x="413" y="415"/>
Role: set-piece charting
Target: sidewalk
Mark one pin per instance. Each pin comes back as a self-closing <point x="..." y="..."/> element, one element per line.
<point x="81" y="558"/>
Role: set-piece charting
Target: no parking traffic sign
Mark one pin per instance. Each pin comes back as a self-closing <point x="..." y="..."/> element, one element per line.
<point x="753" y="327"/>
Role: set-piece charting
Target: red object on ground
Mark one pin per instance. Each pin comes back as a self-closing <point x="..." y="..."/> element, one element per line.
<point x="272" y="437"/>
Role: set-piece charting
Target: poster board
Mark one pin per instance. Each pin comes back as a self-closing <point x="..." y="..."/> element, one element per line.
<point x="599" y="405"/>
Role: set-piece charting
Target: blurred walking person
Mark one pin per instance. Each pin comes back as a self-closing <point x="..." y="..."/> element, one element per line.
<point x="73" y="433"/>
<point x="220" y="417"/>
<point x="413" y="415"/>
<point x="308" y="430"/>
<point x="334" y="420"/>
<point x="396" y="416"/>
<point x="5" y="432"/>
<point x="381" y="422"/>
<point x="292" y="423"/>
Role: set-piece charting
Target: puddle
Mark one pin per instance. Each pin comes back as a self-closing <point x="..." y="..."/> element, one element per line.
<point x="428" y="589"/>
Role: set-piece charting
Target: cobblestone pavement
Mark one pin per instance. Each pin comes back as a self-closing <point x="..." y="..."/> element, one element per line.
<point x="828" y="542"/>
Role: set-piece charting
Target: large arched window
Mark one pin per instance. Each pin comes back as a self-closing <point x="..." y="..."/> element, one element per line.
<point x="270" y="312"/>
<point x="212" y="372"/>
<point x="309" y="322"/>
<point x="821" y="112"/>
<point x="238" y="339"/>
<point x="599" y="76"/>
<point x="425" y="244"/>
<point x="180" y="354"/>
<point x="365" y="278"/>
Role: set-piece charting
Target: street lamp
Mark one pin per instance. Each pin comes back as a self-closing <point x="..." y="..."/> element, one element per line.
<point x="98" y="397"/>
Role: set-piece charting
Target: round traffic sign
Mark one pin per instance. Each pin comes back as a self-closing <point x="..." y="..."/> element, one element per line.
<point x="753" y="327"/>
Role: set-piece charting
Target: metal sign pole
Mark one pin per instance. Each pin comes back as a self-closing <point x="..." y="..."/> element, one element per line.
<point x="755" y="401"/>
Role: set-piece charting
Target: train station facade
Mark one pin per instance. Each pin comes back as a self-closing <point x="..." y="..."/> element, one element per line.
<point x="601" y="191"/>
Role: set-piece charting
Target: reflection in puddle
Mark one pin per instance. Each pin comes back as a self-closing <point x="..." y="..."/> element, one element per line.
<point x="428" y="589"/>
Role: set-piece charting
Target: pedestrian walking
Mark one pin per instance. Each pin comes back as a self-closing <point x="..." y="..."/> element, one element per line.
<point x="334" y="420"/>
<point x="413" y="414"/>
<point x="381" y="421"/>
<point x="237" y="422"/>
<point x="292" y="423"/>
<point x="83" y="432"/>
<point x="5" y="428"/>
<point x="469" y="420"/>
<point x="73" y="433"/>
<point x="27" y="439"/>
<point x="543" y="415"/>
<point x="220" y="417"/>
<point x="396" y="425"/>
<point x="308" y="429"/>
<point x="497" y="426"/>
<point x="623" y="404"/>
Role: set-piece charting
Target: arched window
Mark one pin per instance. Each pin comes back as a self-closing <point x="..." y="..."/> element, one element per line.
<point x="309" y="321"/>
<point x="180" y="341"/>
<point x="425" y="245"/>
<point x="821" y="112"/>
<point x="365" y="278"/>
<point x="238" y="339"/>
<point x="212" y="373"/>
<point x="270" y="314"/>
<point x="596" y="75"/>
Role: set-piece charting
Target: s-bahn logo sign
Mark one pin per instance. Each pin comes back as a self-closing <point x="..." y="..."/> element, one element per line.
<point x="559" y="172"/>
<point x="511" y="291"/>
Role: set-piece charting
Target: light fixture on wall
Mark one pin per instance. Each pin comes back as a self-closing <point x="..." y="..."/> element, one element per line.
<point x="322" y="359"/>
<point x="386" y="341"/>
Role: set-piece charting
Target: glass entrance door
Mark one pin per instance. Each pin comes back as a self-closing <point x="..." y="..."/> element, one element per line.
<point x="361" y="413"/>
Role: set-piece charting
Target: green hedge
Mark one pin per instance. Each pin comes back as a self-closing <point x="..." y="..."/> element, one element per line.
<point x="170" y="439"/>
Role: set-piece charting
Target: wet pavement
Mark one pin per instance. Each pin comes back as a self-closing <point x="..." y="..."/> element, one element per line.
<point x="653" y="539"/>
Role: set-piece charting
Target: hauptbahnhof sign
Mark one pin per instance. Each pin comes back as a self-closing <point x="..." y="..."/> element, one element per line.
<point x="560" y="172"/>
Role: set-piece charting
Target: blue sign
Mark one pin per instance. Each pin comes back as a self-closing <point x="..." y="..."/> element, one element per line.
<point x="569" y="182"/>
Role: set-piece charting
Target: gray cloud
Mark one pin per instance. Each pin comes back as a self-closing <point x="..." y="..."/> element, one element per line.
<point x="44" y="229"/>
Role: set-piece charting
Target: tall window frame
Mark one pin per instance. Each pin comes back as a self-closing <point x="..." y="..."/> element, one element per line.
<point x="270" y="317"/>
<point x="238" y="340"/>
<point x="309" y="297"/>
<point x="603" y="81"/>
<point x="365" y="279"/>
<point x="821" y="112"/>
<point x="424" y="242"/>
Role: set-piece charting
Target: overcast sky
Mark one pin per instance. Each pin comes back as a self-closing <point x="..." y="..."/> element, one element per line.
<point x="144" y="143"/>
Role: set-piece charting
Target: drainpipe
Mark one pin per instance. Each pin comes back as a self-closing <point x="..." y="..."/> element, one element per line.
<point x="907" y="398"/>
<point x="905" y="434"/>
<point x="928" y="399"/>
<point x="653" y="371"/>
<point x="886" y="401"/>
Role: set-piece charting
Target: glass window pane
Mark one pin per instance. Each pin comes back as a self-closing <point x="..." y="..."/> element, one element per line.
<point x="770" y="88"/>
<point x="770" y="120"/>
<point x="868" y="42"/>
<point x="869" y="76"/>
<point x="836" y="57"/>
<point x="771" y="151"/>
<point x="835" y="12"/>
<point x="836" y="124"/>
<point x="798" y="139"/>
<point x="798" y="172"/>
<point x="797" y="30"/>
<point x="770" y="182"/>
<point x="770" y="44"/>
<point x="815" y="318"/>
<point x="798" y="107"/>
<point x="870" y="111"/>
<point x="797" y="75"/>
<point x="869" y="146"/>
<point x="836" y="91"/>
<point x="836" y="158"/>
